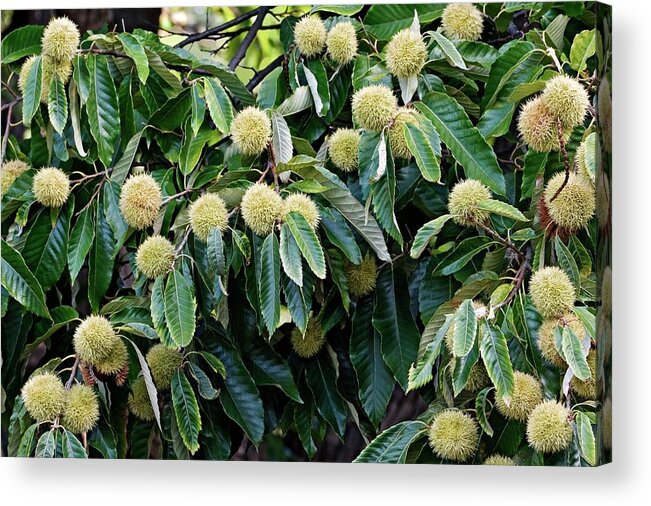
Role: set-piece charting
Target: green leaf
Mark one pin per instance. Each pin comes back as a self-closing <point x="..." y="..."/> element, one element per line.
<point x="392" y="318"/>
<point x="290" y="256"/>
<point x="100" y="262"/>
<point x="136" y="52"/>
<point x="215" y="253"/>
<point x="495" y="354"/>
<point x="462" y="254"/>
<point x="103" y="440"/>
<point x="21" y="284"/>
<point x="574" y="355"/>
<point x="420" y="373"/>
<point x="393" y="444"/>
<point x="214" y="363"/>
<point x="462" y="368"/>
<point x="340" y="197"/>
<point x="426" y="234"/>
<point x="322" y="380"/>
<point x="269" y="282"/>
<point x="123" y="165"/>
<point x="173" y="113"/>
<point x="71" y="447"/>
<point x="465" y="142"/>
<point x="373" y="376"/>
<point x="32" y="90"/>
<point x="300" y="100"/>
<point x="567" y="263"/>
<point x="451" y="53"/>
<point x="308" y="243"/>
<point x="317" y="81"/>
<point x="157" y="311"/>
<point x="47" y="445"/>
<point x="340" y="235"/>
<point x="21" y="42"/>
<point x="103" y="109"/>
<point x="180" y="306"/>
<point x="81" y="240"/>
<point x="269" y="368"/>
<point x="198" y="108"/>
<point x="534" y="166"/>
<point x="586" y="438"/>
<point x="219" y="105"/>
<point x="149" y="382"/>
<point x="465" y="329"/>
<point x="186" y="410"/>
<point x="57" y="104"/>
<point x="382" y="21"/>
<point x="342" y="10"/>
<point x="61" y="316"/>
<point x="423" y="151"/>
<point x="192" y="146"/>
<point x="206" y="390"/>
<point x="27" y="442"/>
<point x="556" y="30"/>
<point x="240" y="397"/>
<point x="481" y="402"/>
<point x="501" y="209"/>
<point x="281" y="140"/>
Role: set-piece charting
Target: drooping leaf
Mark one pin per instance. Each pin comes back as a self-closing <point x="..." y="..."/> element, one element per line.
<point x="186" y="410"/>
<point x="290" y="256"/>
<point x="495" y="354"/>
<point x="180" y="307"/>
<point x="426" y="234"/>
<point x="574" y="355"/>
<point x="307" y="242"/>
<point x="219" y="105"/>
<point x="269" y="283"/>
<point x="57" y="104"/>
<point x="321" y="378"/>
<point x="32" y="90"/>
<point x="465" y="329"/>
<point x="21" y="42"/>
<point x="393" y="444"/>
<point x="586" y="438"/>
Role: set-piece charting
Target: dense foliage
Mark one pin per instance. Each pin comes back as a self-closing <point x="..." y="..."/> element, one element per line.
<point x="389" y="246"/>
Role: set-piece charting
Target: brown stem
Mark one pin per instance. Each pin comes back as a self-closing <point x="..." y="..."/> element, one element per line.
<point x="244" y="46"/>
<point x="215" y="30"/>
<point x="172" y="197"/>
<point x="257" y="79"/>
<point x="5" y="138"/>
<point x="508" y="244"/>
<point x="518" y="280"/>
<point x="566" y="160"/>
<point x="73" y="371"/>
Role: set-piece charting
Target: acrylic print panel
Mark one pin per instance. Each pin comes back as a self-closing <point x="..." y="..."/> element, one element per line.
<point x="321" y="233"/>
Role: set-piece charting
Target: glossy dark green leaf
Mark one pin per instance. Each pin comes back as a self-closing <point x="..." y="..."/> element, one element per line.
<point x="322" y="380"/>
<point x="186" y="410"/>
<point x="495" y="354"/>
<point x="307" y="242"/>
<point x="103" y="108"/>
<point x="81" y="240"/>
<point x="180" y="307"/>
<point x="71" y="446"/>
<point x="100" y="261"/>
<point x="47" y="445"/>
<point x="28" y="442"/>
<point x="219" y="105"/>
<point x="57" y="104"/>
<point x="393" y="444"/>
<point x="426" y="234"/>
<point x="269" y="283"/>
<point x="32" y="90"/>
<point x="136" y="52"/>
<point x="290" y="256"/>
<point x="21" y="42"/>
<point x="465" y="329"/>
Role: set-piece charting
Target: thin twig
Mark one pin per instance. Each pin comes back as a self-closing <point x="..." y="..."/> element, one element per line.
<point x="73" y="372"/>
<point x="5" y="138"/>
<point x="215" y="30"/>
<point x="257" y="79"/>
<point x="241" y="51"/>
<point x="508" y="244"/>
<point x="566" y="160"/>
<point x="518" y="280"/>
<point x="176" y="195"/>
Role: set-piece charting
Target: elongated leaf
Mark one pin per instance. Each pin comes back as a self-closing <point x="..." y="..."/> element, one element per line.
<point x="567" y="263"/>
<point x="136" y="52"/>
<point x="574" y="355"/>
<point x="481" y="408"/>
<point x="465" y="329"/>
<point x="100" y="262"/>
<point x="501" y="209"/>
<point x="534" y="166"/>
<point x="420" y="373"/>
<point x="103" y="440"/>
<point x="215" y="253"/>
<point x="269" y="288"/>
<point x="451" y="52"/>
<point x="149" y="382"/>
<point x="556" y="30"/>
<point x="57" y="104"/>
<point x="71" y="447"/>
<point x="425" y="154"/>
<point x="393" y="444"/>
<point x="393" y="320"/>
<point x="21" y="42"/>
<point x="495" y="354"/>
<point x="583" y="47"/>
<point x="47" y="445"/>
<point x="198" y="108"/>
<point x="290" y="256"/>
<point x="281" y="139"/>
<point x="340" y="234"/>
<point x="103" y="109"/>
<point x="192" y="147"/>
<point x="308" y="243"/>
<point x="219" y="105"/>
<point x="586" y="438"/>
<point x="21" y="283"/>
<point x="32" y="90"/>
<point x="426" y="234"/>
<point x="61" y="316"/>
<point x="268" y="368"/>
<point x="322" y="380"/>
<point x="300" y="100"/>
<point x="317" y="87"/>
<point x="180" y="307"/>
<point x="186" y="410"/>
<point x="28" y="442"/>
<point x="468" y="147"/>
<point x="240" y="397"/>
<point x="463" y="254"/>
<point x="373" y="376"/>
<point x="340" y="197"/>
<point x="206" y="390"/>
<point x="462" y="368"/>
<point x="157" y="311"/>
<point x="383" y="20"/>
<point x="123" y="165"/>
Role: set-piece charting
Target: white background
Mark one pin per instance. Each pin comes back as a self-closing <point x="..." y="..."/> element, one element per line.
<point x="627" y="481"/>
